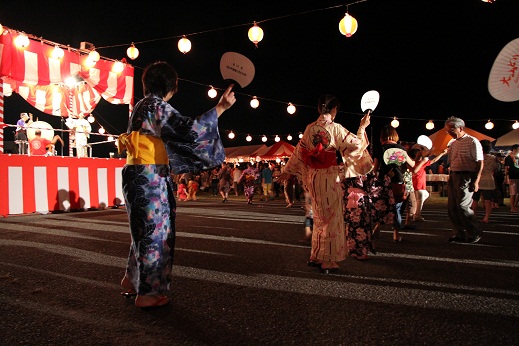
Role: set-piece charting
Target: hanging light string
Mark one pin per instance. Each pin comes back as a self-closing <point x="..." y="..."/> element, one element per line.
<point x="87" y="51"/>
<point x="230" y="26"/>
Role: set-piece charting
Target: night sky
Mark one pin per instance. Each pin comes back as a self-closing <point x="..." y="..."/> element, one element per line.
<point x="427" y="59"/>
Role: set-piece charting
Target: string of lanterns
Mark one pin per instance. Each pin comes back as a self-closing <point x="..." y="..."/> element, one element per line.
<point x="23" y="40"/>
<point x="291" y="109"/>
<point x="348" y="25"/>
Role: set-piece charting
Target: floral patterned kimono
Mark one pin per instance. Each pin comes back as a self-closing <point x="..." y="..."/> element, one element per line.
<point x="358" y="192"/>
<point x="315" y="161"/>
<point x="248" y="178"/>
<point x="160" y="141"/>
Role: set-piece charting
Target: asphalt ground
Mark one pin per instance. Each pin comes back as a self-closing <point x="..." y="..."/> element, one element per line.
<point x="240" y="278"/>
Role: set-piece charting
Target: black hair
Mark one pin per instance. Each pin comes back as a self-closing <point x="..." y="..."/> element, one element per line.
<point x="326" y="103"/>
<point x="159" y="79"/>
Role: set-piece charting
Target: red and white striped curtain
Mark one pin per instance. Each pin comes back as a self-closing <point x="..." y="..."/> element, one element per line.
<point x="39" y="78"/>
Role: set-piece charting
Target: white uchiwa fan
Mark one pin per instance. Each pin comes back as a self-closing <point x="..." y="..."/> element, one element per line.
<point x="369" y="101"/>
<point x="503" y="81"/>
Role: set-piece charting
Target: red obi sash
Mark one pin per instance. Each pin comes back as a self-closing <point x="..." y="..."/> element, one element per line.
<point x="319" y="157"/>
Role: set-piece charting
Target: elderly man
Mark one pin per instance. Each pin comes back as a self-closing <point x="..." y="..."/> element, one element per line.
<point x="466" y="163"/>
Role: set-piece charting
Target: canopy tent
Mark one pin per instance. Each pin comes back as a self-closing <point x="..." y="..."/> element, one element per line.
<point x="39" y="78"/>
<point x="508" y="139"/>
<point x="278" y="150"/>
<point x="243" y="152"/>
<point x="441" y="138"/>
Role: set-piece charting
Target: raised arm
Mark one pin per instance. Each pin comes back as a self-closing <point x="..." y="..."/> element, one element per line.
<point x="226" y="101"/>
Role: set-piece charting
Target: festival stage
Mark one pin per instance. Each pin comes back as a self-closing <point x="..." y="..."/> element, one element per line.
<point x="41" y="184"/>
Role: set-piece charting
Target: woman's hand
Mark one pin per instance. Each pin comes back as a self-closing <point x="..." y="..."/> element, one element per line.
<point x="226" y="101"/>
<point x="365" y="121"/>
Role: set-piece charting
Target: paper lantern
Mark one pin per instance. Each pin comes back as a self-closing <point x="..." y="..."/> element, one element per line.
<point x="21" y="41"/>
<point x="515" y="125"/>
<point x="231" y="135"/>
<point x="58" y="53"/>
<point x="395" y="123"/>
<point x="489" y="125"/>
<point x="348" y="25"/>
<point x="264" y="138"/>
<point x="91" y="119"/>
<point x="291" y="109"/>
<point x="429" y="125"/>
<point x="255" y="34"/>
<point x="101" y="130"/>
<point x="289" y="137"/>
<point x="132" y="52"/>
<point x="277" y="139"/>
<point x="212" y="93"/>
<point x="254" y="103"/>
<point x="300" y="135"/>
<point x="248" y="138"/>
<point x="118" y="67"/>
<point x="89" y="62"/>
<point x="94" y="56"/>
<point x="184" y="45"/>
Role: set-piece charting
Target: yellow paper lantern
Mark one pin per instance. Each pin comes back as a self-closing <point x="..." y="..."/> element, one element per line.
<point x="489" y="125"/>
<point x="429" y="125"/>
<point x="231" y="135"/>
<point x="348" y="25"/>
<point x="184" y="45"/>
<point x="395" y="123"/>
<point x="132" y="52"/>
<point x="255" y="34"/>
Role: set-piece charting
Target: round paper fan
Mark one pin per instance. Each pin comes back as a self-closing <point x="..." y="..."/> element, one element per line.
<point x="237" y="67"/>
<point x="503" y="81"/>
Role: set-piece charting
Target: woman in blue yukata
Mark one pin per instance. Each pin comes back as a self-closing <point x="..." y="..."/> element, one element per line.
<point x="160" y="141"/>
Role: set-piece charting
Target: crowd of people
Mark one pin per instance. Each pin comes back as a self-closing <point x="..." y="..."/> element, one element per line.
<point x="260" y="179"/>
<point x="349" y="193"/>
<point x="386" y="189"/>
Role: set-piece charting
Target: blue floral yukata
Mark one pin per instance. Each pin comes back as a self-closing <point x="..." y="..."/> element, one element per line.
<point x="191" y="146"/>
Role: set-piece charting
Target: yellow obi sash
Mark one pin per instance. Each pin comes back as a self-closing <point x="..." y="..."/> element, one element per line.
<point x="142" y="149"/>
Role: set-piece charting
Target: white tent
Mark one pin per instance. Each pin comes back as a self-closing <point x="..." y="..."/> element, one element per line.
<point x="243" y="152"/>
<point x="508" y="139"/>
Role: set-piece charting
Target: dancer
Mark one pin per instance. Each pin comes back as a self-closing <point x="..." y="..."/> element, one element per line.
<point x="315" y="160"/>
<point x="159" y="140"/>
<point x="248" y="178"/>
